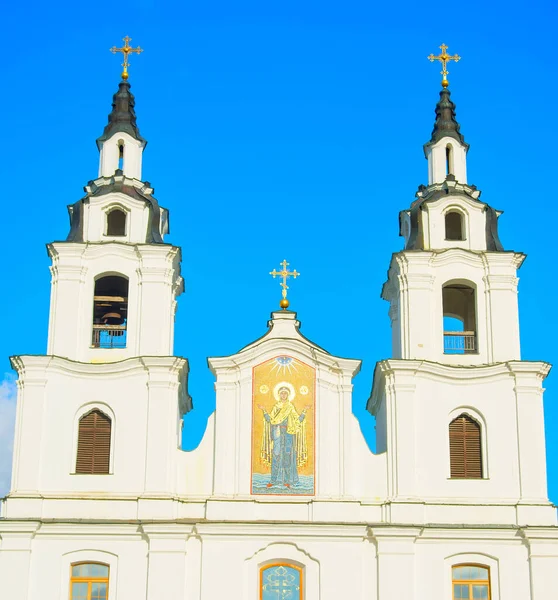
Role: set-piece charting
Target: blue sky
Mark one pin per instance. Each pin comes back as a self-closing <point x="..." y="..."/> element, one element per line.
<point x="278" y="130"/>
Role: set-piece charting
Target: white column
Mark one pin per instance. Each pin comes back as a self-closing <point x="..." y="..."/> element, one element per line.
<point x="503" y="323"/>
<point x="167" y="576"/>
<point x="156" y="317"/>
<point x="402" y="425"/>
<point x="29" y="427"/>
<point x="543" y="561"/>
<point x="396" y="563"/>
<point x="15" y="559"/>
<point x="226" y="415"/>
<point x="530" y="434"/>
<point x="162" y="429"/>
<point x="67" y="302"/>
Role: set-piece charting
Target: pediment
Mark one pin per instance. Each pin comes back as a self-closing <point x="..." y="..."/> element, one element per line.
<point x="283" y="337"/>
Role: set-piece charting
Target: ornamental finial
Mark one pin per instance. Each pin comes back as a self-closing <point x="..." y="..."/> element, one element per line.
<point x="126" y="49"/>
<point x="444" y="57"/>
<point x="284" y="273"/>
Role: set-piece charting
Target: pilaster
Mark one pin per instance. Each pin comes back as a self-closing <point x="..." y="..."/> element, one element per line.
<point x="396" y="562"/>
<point x="543" y="559"/>
<point x="167" y="560"/>
<point x="16" y="539"/>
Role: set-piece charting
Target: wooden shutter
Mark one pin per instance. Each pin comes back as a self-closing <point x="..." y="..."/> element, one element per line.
<point x="465" y="448"/>
<point x="93" y="448"/>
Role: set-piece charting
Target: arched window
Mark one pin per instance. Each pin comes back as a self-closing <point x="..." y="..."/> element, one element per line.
<point x="89" y="581"/>
<point x="93" y="446"/>
<point x="465" y="448"/>
<point x="110" y="312"/>
<point x="471" y="582"/>
<point x="449" y="160"/>
<point x="116" y="222"/>
<point x="281" y="580"/>
<point x="454" y="226"/>
<point x="121" y="154"/>
<point x="460" y="320"/>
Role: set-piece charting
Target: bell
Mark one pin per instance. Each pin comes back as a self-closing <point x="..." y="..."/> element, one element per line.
<point x="112" y="318"/>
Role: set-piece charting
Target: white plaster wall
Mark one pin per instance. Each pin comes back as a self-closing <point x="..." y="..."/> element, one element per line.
<point x="138" y="216"/>
<point x="109" y="156"/>
<point x="414" y="403"/>
<point x="436" y="156"/>
<point x="154" y="280"/>
<point x="414" y="290"/>
<point x="145" y="399"/>
<point x="342" y="456"/>
<point x="434" y="225"/>
<point x="199" y="561"/>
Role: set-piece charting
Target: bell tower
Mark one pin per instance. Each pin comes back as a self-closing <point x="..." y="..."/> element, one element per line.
<point x="109" y="361"/>
<point x="114" y="280"/>
<point x="453" y="290"/>
<point x="456" y="368"/>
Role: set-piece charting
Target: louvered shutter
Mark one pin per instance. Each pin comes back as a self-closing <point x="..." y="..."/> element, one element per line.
<point x="465" y="448"/>
<point x="93" y="449"/>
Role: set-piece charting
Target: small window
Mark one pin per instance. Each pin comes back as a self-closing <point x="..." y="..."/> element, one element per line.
<point x="449" y="160"/>
<point x="459" y="319"/>
<point x="121" y="154"/>
<point x="281" y="580"/>
<point x="93" y="447"/>
<point x="454" y="226"/>
<point x="110" y="312"/>
<point x="89" y="581"/>
<point x="471" y="582"/>
<point x="116" y="222"/>
<point x="465" y="449"/>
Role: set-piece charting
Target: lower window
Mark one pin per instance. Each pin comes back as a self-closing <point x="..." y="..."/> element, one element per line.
<point x="471" y="582"/>
<point x="281" y="581"/>
<point x="89" y="581"/>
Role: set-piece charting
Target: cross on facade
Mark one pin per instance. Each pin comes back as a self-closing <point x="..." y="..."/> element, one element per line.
<point x="444" y="58"/>
<point x="284" y="274"/>
<point x="280" y="584"/>
<point x="126" y="49"/>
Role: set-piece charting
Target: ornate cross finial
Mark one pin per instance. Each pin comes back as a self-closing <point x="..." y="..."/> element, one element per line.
<point x="444" y="57"/>
<point x="284" y="274"/>
<point x="126" y="49"/>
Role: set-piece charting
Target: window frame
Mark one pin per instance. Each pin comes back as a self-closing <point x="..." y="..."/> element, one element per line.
<point x="473" y="558"/>
<point x="446" y="312"/>
<point x="96" y="279"/>
<point x="481" y="421"/>
<point x="107" y="210"/>
<point x="452" y="210"/>
<point x="480" y="438"/>
<point x="80" y="413"/>
<point x="89" y="580"/>
<point x="282" y="563"/>
<point x="470" y="582"/>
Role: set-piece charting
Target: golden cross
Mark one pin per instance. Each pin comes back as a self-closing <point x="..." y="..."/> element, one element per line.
<point x="126" y="49"/>
<point x="444" y="57"/>
<point x="284" y="274"/>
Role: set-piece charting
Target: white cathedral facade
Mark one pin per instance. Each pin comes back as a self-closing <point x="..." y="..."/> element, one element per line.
<point x="282" y="499"/>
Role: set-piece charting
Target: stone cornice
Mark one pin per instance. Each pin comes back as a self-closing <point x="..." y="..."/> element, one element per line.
<point x="26" y="365"/>
<point x="391" y="368"/>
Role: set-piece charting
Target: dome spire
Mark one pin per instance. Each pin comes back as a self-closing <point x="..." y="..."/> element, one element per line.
<point x="122" y="118"/>
<point x="446" y="124"/>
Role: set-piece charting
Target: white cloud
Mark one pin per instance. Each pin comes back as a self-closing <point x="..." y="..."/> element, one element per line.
<point x="7" y="422"/>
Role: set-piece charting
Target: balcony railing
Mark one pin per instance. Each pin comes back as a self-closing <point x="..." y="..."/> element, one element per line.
<point x="109" y="336"/>
<point x="460" y="342"/>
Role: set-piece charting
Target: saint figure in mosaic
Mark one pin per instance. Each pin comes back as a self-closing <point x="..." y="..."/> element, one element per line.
<point x="284" y="445"/>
